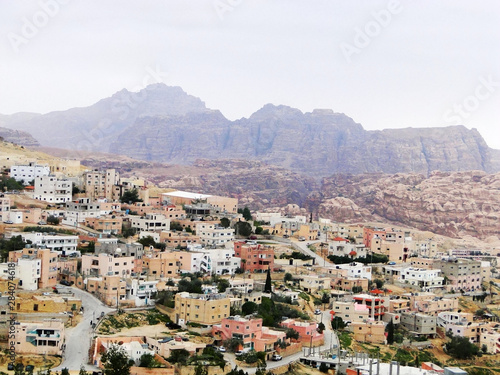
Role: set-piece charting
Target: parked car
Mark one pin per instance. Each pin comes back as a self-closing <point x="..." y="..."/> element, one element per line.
<point x="65" y="282"/>
<point x="302" y="238"/>
<point x="42" y="222"/>
<point x="9" y="222"/>
<point x="238" y="353"/>
<point x="286" y="236"/>
<point x="276" y="357"/>
<point x="10" y="367"/>
<point x="29" y="368"/>
<point x="317" y="312"/>
<point x="221" y="349"/>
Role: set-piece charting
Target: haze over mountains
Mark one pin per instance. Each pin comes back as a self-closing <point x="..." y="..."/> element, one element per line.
<point x="162" y="123"/>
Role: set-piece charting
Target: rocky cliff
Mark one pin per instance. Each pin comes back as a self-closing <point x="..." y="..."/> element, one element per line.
<point x="165" y="124"/>
<point x="448" y="203"/>
<point x="18" y="137"/>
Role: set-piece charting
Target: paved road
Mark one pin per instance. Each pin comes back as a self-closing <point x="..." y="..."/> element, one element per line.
<point x="78" y="337"/>
<point x="302" y="245"/>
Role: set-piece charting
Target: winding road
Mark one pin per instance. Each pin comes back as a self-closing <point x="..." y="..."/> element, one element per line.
<point x="78" y="338"/>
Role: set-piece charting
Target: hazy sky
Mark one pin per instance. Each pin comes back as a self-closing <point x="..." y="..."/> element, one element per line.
<point x="386" y="64"/>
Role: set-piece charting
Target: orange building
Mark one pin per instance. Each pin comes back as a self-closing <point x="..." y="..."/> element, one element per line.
<point x="254" y="258"/>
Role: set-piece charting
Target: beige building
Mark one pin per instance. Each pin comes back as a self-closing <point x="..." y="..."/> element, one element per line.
<point x="48" y="264"/>
<point x="46" y="337"/>
<point x="99" y="184"/>
<point x="396" y="251"/>
<point x="369" y="331"/>
<point x="105" y="224"/>
<point x="315" y="283"/>
<point x="430" y="303"/>
<point x="46" y="304"/>
<point x="207" y="309"/>
<point x="106" y="265"/>
<point x="109" y="289"/>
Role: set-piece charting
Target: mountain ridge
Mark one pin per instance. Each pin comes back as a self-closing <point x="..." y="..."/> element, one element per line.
<point x="165" y="124"/>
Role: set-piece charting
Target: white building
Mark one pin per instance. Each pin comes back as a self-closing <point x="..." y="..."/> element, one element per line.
<point x="62" y="244"/>
<point x="424" y="278"/>
<point x="219" y="261"/>
<point x="16" y="216"/>
<point x="29" y="272"/>
<point x="150" y="223"/>
<point x="27" y="173"/>
<point x="356" y="270"/>
<point x="342" y="248"/>
<point x="77" y="212"/>
<point x="135" y="350"/>
<point x="140" y="291"/>
<point x="51" y="189"/>
<point x="214" y="235"/>
<point x="4" y="208"/>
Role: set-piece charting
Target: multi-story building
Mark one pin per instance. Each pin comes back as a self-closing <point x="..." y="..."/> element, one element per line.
<point x="425" y="279"/>
<point x="29" y="270"/>
<point x="308" y="331"/>
<point x="219" y="261"/>
<point x="429" y="303"/>
<point x="461" y="274"/>
<point x="105" y="225"/>
<point x="419" y="324"/>
<point x="163" y="264"/>
<point x="99" y="184"/>
<point x="178" y="239"/>
<point x="207" y="309"/>
<point x="150" y="223"/>
<point x="349" y="311"/>
<point x="47" y="266"/>
<point x="254" y="258"/>
<point x="395" y="251"/>
<point x="314" y="283"/>
<point x="107" y="264"/>
<point x="140" y="291"/>
<point x="461" y="324"/>
<point x="77" y="212"/>
<point x="369" y="331"/>
<point x="490" y="338"/>
<point x="43" y="338"/>
<point x="62" y="244"/>
<point x="212" y="234"/>
<point x="27" y="173"/>
<point x="251" y="332"/>
<point x="51" y="189"/>
<point x="376" y="305"/>
<point x="4" y="208"/>
<point x="109" y="289"/>
<point x="350" y="270"/>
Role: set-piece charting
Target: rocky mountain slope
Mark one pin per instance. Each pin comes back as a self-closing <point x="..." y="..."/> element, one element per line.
<point x="448" y="203"/>
<point x="18" y="137"/>
<point x="165" y="124"/>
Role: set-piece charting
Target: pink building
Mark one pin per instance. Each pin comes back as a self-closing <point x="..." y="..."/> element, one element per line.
<point x="251" y="331"/>
<point x="108" y="265"/>
<point x="306" y="330"/>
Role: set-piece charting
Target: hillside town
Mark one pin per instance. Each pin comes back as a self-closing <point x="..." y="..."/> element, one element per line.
<point x="95" y="265"/>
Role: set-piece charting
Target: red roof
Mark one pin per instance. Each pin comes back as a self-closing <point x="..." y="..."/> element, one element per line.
<point x="340" y="239"/>
<point x="352" y="253"/>
<point x="376" y="291"/>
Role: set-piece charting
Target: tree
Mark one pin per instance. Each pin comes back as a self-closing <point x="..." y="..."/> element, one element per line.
<point x="235" y="371"/>
<point x="225" y="222"/>
<point x="268" y="286"/>
<point x="323" y="368"/>
<point x="338" y="323"/>
<point x="321" y="327"/>
<point x="179" y="356"/>
<point x="325" y="298"/>
<point x="259" y="230"/>
<point x="200" y="370"/>
<point x="222" y="285"/>
<point x="131" y="196"/>
<point x="147" y="241"/>
<point x="14" y="243"/>
<point x="7" y="184"/>
<point x="390" y="332"/>
<point x="249" y="308"/>
<point x="52" y="220"/>
<point x="116" y="361"/>
<point x="379" y="283"/>
<point x="65" y="371"/>
<point x="247" y="215"/>
<point x="460" y="347"/>
<point x="147" y="360"/>
<point x="243" y="228"/>
<point x="292" y="334"/>
<point x="288" y="277"/>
